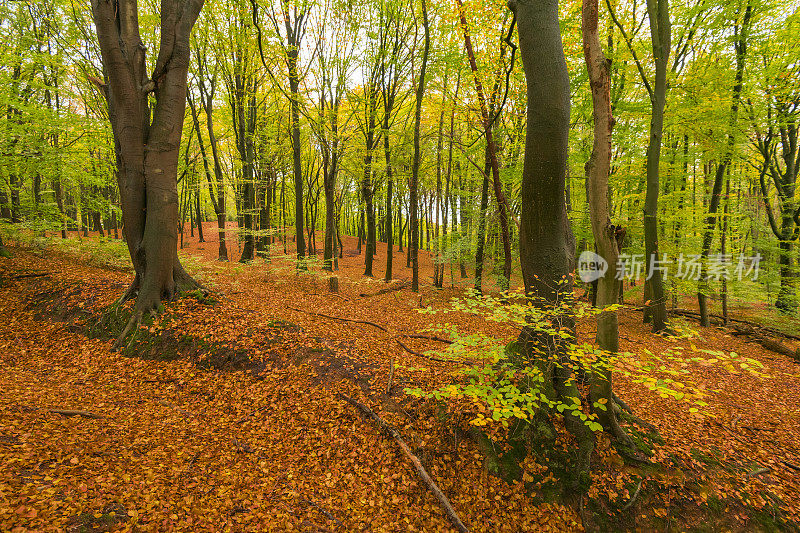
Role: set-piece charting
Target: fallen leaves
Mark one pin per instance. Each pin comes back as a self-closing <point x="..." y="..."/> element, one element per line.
<point x="190" y="443"/>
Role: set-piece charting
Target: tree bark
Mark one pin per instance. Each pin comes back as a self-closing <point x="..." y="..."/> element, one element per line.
<point x="598" y="170"/>
<point x="413" y="245"/>
<point x="546" y="241"/>
<point x="147" y="151"/>
<point x="661" y="34"/>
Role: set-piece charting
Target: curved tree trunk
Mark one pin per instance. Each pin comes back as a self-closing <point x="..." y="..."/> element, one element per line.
<point x="491" y="150"/>
<point x="546" y="241"/>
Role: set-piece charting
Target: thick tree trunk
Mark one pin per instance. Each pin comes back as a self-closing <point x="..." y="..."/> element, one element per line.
<point x="546" y="242"/>
<point x="147" y="152"/>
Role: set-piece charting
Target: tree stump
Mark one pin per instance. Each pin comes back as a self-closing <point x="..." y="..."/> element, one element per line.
<point x="333" y="284"/>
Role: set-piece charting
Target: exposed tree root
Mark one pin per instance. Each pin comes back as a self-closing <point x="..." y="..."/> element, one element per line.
<point x="148" y="300"/>
<point x="418" y="354"/>
<point x="367" y="322"/>
<point x="31" y="275"/>
<point x="428" y="337"/>
<point x="620" y="404"/>
<point x="633" y="498"/>
<point x="184" y="282"/>
<point x="132" y="325"/>
<point x="130" y="293"/>
<point x="423" y="474"/>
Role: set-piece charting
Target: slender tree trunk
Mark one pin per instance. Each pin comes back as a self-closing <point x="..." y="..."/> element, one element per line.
<point x="479" y="249"/>
<point x="598" y="170"/>
<point x="199" y="215"/>
<point x="491" y="149"/>
<point x="740" y="48"/>
<point x="413" y="186"/>
<point x="465" y="229"/>
<point x="367" y="190"/>
<point x="723" y="248"/>
<point x="294" y="85"/>
<point x="218" y="182"/>
<point x="661" y="34"/>
<point x="389" y="191"/>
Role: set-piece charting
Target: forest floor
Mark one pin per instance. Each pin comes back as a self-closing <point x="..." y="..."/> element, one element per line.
<point x="226" y="413"/>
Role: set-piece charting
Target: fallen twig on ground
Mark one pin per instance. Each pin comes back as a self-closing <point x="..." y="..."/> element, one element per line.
<point x="31" y="275"/>
<point x="324" y="512"/>
<point x="635" y="495"/>
<point x="443" y="501"/>
<point x="74" y="412"/>
<point x="429" y="337"/>
<point x="340" y="318"/>
<point x="418" y="354"/>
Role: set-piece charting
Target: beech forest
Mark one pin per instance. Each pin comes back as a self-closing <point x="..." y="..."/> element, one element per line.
<point x="399" y="265"/>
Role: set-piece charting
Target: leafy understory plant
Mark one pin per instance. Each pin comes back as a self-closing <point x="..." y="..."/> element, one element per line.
<point x="498" y="386"/>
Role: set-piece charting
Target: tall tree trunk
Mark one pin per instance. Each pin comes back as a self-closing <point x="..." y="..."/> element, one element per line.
<point x="389" y="191"/>
<point x="294" y="86"/>
<point x="491" y="149"/>
<point x="367" y="188"/>
<point x="218" y="183"/>
<point x="723" y="248"/>
<point x="598" y="170"/>
<point x="661" y="34"/>
<point x="740" y="48"/>
<point x="479" y="249"/>
<point x="546" y="242"/>
<point x="329" y="184"/>
<point x="413" y="244"/>
<point x="147" y="151"/>
<point x="465" y="229"/>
